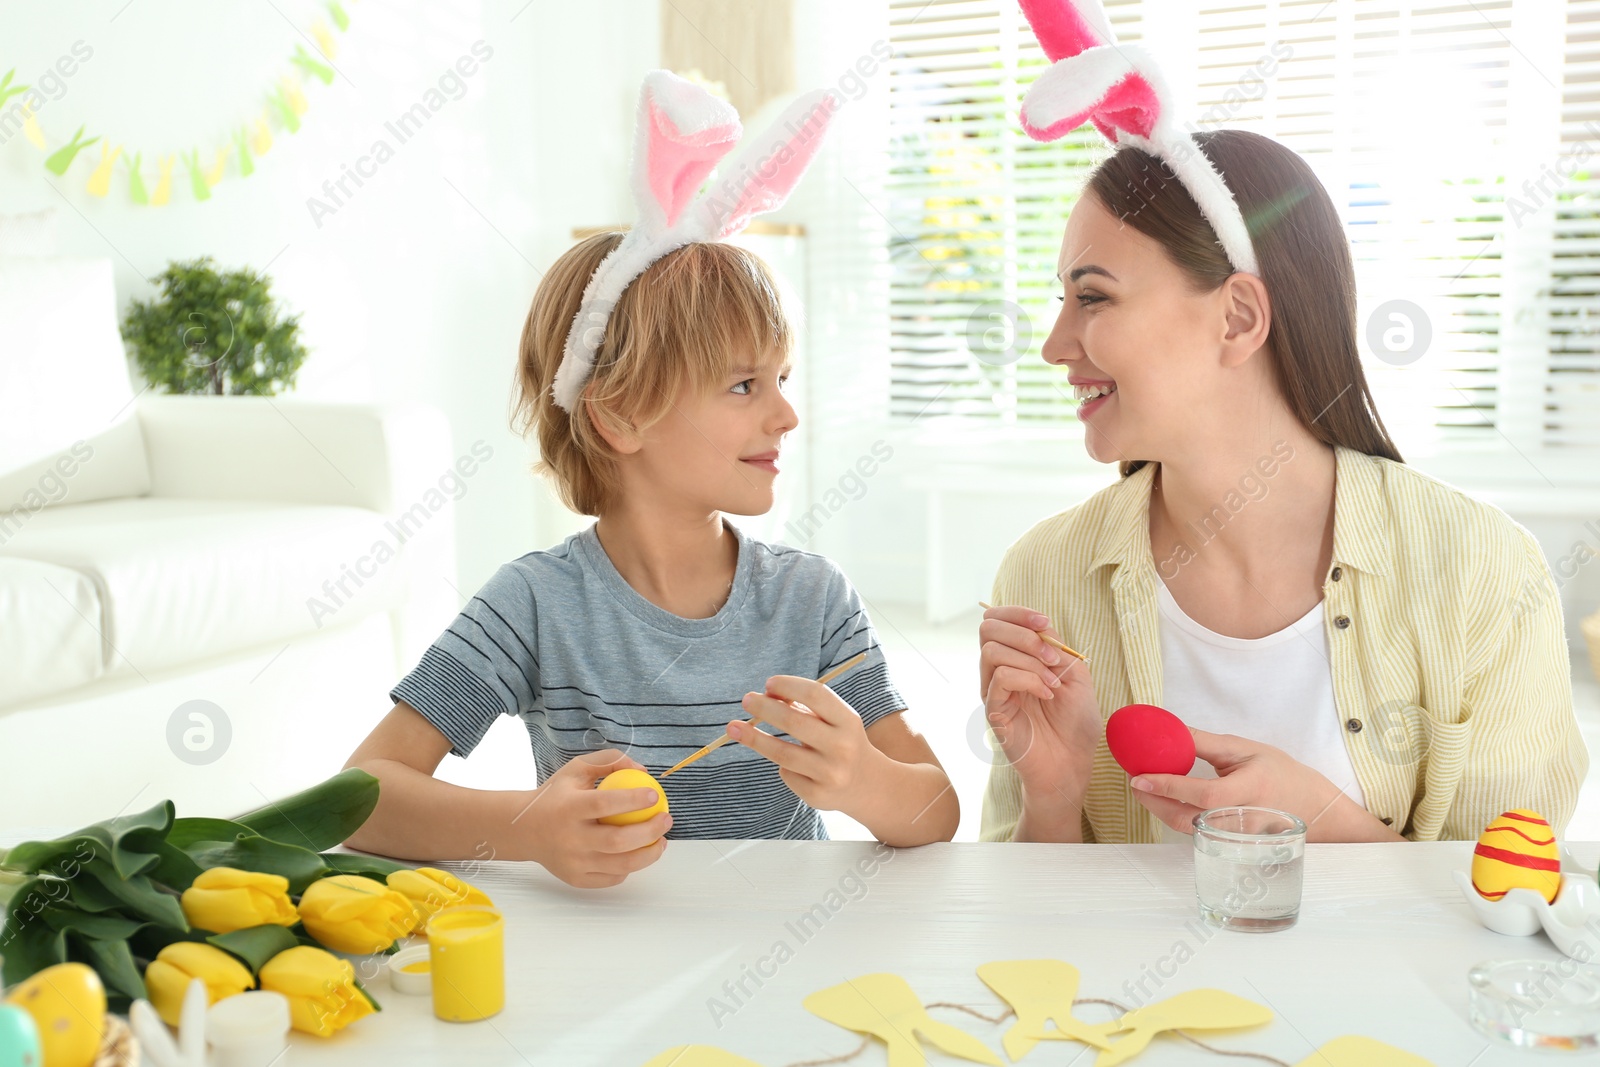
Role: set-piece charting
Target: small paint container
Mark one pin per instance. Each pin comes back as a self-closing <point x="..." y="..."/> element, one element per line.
<point x="249" y="1029"/>
<point x="410" y="971"/>
<point x="466" y="948"/>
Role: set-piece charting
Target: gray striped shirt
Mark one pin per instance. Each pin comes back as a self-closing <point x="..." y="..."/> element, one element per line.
<point x="561" y="640"/>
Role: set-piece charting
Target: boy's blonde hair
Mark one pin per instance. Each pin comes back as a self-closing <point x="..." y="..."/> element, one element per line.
<point x="686" y="322"/>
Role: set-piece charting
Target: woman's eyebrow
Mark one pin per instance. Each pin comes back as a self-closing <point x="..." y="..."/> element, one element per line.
<point x="1078" y="272"/>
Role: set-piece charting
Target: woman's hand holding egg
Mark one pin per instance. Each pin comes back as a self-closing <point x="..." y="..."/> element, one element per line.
<point x="830" y="762"/>
<point x="1042" y="707"/>
<point x="569" y="838"/>
<point x="1253" y="774"/>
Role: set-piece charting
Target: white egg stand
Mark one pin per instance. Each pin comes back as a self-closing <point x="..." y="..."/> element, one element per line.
<point x="1572" y="920"/>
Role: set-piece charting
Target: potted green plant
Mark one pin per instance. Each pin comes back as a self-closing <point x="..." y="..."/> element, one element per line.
<point x="211" y="331"/>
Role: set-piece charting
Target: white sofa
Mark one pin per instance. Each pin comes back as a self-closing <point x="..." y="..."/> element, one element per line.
<point x="201" y="598"/>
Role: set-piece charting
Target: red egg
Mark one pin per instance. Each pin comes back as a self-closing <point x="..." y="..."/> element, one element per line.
<point x="1146" y="739"/>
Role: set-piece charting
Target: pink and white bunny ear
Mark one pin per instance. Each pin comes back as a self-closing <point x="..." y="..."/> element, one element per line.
<point x="681" y="134"/>
<point x="682" y="131"/>
<point x="1065" y="28"/>
<point x="767" y="169"/>
<point x="1119" y="88"/>
<point x="1093" y="79"/>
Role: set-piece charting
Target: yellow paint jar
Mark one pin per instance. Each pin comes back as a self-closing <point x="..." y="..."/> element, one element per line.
<point x="466" y="952"/>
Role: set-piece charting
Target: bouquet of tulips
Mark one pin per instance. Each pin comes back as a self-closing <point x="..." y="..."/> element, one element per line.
<point x="149" y="902"/>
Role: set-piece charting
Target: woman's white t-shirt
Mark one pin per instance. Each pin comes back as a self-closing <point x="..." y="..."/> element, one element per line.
<point x="1277" y="690"/>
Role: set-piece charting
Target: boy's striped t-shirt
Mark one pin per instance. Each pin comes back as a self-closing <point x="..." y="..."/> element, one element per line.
<point x="561" y="640"/>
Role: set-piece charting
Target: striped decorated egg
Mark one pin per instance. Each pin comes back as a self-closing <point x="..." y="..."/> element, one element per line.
<point x="1517" y="851"/>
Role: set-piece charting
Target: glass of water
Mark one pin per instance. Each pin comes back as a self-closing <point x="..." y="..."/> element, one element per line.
<point x="1249" y="864"/>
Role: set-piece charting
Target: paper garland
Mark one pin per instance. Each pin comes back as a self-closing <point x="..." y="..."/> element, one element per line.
<point x="885" y="1006"/>
<point x="205" y="166"/>
<point x="1041" y="993"/>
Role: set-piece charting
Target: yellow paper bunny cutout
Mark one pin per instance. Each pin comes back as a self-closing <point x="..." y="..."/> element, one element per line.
<point x="1354" y="1051"/>
<point x="1198" y="1009"/>
<point x="885" y="1007"/>
<point x="325" y="40"/>
<point x="100" y="180"/>
<point x="214" y="174"/>
<point x="163" y="189"/>
<point x="1040" y="992"/>
<point x="30" y="128"/>
<point x="261" y="136"/>
<point x="293" y="96"/>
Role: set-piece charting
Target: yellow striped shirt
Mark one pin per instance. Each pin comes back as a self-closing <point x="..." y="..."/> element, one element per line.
<point x="1445" y="640"/>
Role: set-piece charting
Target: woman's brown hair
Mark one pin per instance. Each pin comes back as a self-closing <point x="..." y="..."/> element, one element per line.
<point x="1305" y="263"/>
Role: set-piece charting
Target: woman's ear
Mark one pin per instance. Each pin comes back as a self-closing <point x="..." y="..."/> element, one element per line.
<point x="617" y="432"/>
<point x="1248" y="316"/>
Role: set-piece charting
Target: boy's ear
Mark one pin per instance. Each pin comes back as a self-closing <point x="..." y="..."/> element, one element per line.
<point x="618" y="433"/>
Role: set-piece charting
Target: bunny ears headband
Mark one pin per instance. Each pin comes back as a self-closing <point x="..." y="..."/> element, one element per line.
<point x="1120" y="89"/>
<point x="682" y="131"/>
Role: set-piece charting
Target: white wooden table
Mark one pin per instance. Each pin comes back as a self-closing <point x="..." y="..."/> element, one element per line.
<point x="612" y="977"/>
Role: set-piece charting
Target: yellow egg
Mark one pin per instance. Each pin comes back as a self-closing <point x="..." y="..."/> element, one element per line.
<point x="632" y="779"/>
<point x="68" y="1004"/>
<point x="1517" y="851"/>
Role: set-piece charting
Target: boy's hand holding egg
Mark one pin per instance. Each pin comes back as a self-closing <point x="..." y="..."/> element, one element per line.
<point x="628" y="778"/>
<point x="830" y="763"/>
<point x="570" y="838"/>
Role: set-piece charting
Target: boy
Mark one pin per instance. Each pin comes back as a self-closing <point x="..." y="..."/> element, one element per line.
<point x="630" y="644"/>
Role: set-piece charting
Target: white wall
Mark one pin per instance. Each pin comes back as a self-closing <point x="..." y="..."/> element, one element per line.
<point x="414" y="287"/>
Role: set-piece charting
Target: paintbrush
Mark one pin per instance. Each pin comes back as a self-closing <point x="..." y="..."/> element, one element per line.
<point x="725" y="738"/>
<point x="1047" y="639"/>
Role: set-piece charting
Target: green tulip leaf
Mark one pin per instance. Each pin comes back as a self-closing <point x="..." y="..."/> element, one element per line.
<point x="177" y="869"/>
<point x="375" y="867"/>
<point x="139" y="896"/>
<point x="113" y="962"/>
<point x="89" y="925"/>
<point x="190" y="831"/>
<point x="255" y="945"/>
<point x="127" y="843"/>
<point x="28" y="944"/>
<point x="150" y="939"/>
<point x="252" y="852"/>
<point x="363" y="991"/>
<point x="320" y="817"/>
<point x="88" y="894"/>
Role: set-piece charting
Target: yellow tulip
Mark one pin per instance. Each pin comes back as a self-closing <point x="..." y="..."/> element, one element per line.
<point x="224" y="899"/>
<point x="430" y="889"/>
<point x="349" y="913"/>
<point x="167" y="976"/>
<point x="320" y="987"/>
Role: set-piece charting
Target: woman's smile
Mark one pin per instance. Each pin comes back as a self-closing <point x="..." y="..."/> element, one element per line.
<point x="1091" y="394"/>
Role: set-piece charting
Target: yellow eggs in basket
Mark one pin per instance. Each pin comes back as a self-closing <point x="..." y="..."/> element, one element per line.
<point x="632" y="779"/>
<point x="1517" y="851"/>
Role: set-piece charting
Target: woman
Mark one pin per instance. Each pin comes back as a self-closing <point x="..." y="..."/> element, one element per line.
<point x="1351" y="640"/>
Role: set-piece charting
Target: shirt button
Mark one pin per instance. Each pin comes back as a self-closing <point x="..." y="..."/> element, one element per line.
<point x="1342" y="622"/>
<point x="1353" y="725"/>
<point x="1338" y="572"/>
